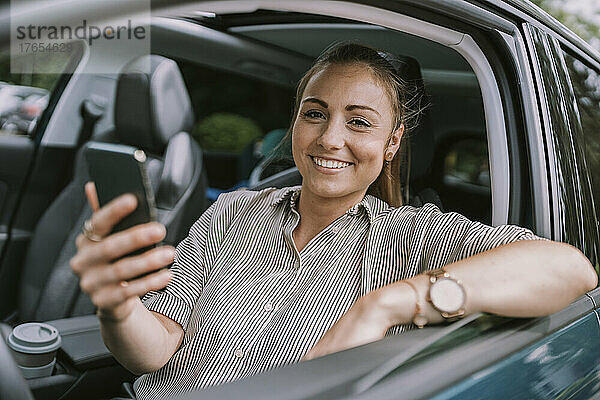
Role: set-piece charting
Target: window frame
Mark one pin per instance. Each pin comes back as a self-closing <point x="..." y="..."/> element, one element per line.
<point x="564" y="210"/>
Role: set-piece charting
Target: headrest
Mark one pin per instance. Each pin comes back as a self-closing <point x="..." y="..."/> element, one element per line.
<point x="421" y="139"/>
<point x="151" y="107"/>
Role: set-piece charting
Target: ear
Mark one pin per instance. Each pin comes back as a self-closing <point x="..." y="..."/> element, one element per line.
<point x="394" y="142"/>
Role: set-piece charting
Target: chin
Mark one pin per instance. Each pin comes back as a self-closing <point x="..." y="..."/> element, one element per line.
<point x="332" y="190"/>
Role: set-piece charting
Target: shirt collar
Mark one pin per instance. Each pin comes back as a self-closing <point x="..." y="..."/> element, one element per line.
<point x="371" y="205"/>
<point x="286" y="194"/>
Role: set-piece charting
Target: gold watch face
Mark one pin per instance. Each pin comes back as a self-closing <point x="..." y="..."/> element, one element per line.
<point x="447" y="295"/>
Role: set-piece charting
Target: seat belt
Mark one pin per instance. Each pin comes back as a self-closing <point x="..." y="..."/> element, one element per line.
<point x="91" y="110"/>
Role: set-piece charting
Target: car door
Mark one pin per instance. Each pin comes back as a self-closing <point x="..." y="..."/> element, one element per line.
<point x="31" y="172"/>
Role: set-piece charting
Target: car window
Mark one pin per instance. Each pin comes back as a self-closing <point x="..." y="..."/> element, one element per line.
<point x="466" y="170"/>
<point x="586" y="85"/>
<point x="24" y="95"/>
<point x="237" y="118"/>
<point x="241" y="118"/>
<point x="467" y="162"/>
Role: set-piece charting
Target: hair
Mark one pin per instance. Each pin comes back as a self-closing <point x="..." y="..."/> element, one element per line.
<point x="406" y="98"/>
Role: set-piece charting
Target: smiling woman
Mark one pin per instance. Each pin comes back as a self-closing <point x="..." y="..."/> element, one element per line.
<point x="337" y="264"/>
<point x="338" y="141"/>
<point x="377" y="106"/>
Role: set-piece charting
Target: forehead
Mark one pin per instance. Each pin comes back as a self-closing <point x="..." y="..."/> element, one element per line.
<point x="349" y="84"/>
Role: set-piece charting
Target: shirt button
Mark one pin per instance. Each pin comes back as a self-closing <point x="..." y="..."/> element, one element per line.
<point x="335" y="230"/>
<point x="268" y="307"/>
<point x="239" y="353"/>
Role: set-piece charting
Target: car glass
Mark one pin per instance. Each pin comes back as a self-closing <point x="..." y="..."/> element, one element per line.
<point x="24" y="95"/>
<point x="586" y="85"/>
<point x="257" y="112"/>
<point x="237" y="118"/>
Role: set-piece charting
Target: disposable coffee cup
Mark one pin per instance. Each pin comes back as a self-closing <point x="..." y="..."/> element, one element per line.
<point x="34" y="347"/>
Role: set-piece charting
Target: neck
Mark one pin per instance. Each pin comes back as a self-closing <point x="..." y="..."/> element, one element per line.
<point x="318" y="212"/>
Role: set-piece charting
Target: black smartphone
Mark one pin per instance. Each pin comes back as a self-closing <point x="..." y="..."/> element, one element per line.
<point x="118" y="169"/>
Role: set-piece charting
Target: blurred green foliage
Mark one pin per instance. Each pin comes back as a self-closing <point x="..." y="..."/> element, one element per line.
<point x="226" y="132"/>
<point x="584" y="28"/>
<point x="25" y="76"/>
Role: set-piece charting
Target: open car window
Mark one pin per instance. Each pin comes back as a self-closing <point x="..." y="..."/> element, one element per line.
<point x="242" y="115"/>
<point x="25" y="93"/>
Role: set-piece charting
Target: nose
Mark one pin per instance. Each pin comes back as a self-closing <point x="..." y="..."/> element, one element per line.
<point x="332" y="136"/>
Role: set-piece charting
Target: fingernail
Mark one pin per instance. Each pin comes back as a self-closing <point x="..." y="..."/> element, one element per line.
<point x="168" y="255"/>
<point x="128" y="200"/>
<point x="158" y="229"/>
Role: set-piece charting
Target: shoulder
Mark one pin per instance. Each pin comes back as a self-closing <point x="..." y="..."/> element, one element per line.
<point x="430" y="220"/>
<point x="382" y="212"/>
<point x="238" y="204"/>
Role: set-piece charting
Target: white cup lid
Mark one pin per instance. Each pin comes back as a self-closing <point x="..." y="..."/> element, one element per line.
<point x="34" y="338"/>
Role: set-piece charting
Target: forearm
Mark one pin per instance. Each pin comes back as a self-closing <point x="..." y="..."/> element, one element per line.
<point x="521" y="279"/>
<point x="141" y="342"/>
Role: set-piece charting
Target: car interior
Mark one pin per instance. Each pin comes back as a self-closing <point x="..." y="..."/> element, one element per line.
<point x="228" y="78"/>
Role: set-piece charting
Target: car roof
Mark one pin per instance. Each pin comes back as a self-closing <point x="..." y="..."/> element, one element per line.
<point x="522" y="9"/>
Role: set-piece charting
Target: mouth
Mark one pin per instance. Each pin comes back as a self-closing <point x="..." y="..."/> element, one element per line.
<point x="330" y="164"/>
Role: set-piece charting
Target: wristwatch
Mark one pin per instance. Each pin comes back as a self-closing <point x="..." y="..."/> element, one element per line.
<point x="446" y="294"/>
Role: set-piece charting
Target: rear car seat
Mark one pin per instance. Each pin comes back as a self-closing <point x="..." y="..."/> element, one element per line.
<point x="152" y="111"/>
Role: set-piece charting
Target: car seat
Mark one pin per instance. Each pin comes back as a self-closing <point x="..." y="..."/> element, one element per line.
<point x="152" y="111"/>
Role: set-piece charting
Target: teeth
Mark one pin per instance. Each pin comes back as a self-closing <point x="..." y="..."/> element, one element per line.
<point x="330" y="164"/>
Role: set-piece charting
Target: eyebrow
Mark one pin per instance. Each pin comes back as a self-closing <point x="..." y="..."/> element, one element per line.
<point x="356" y="106"/>
<point x="315" y="100"/>
<point x="348" y="107"/>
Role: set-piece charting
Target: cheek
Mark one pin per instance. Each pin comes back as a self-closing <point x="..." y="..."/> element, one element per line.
<point x="369" y="151"/>
<point x="303" y="136"/>
<point x="298" y="143"/>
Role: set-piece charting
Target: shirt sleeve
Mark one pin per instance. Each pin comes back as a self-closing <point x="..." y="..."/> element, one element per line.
<point x="450" y="237"/>
<point x="194" y="258"/>
<point x="177" y="299"/>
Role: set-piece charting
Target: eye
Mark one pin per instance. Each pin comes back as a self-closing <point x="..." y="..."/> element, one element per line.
<point x="359" y="123"/>
<point x="313" y="114"/>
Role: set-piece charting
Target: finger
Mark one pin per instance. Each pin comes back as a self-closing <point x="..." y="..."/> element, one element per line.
<point x="109" y="215"/>
<point x="113" y="295"/>
<point x="92" y="196"/>
<point x="122" y="243"/>
<point x="126" y="269"/>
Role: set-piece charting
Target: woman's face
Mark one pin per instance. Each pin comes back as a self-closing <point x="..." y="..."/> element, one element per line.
<point x="340" y="135"/>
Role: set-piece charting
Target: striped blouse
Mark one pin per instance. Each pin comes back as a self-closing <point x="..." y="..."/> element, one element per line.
<point x="248" y="301"/>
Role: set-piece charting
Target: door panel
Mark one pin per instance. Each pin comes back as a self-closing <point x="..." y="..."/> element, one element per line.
<point x="16" y="153"/>
<point x="566" y="364"/>
<point x="51" y="170"/>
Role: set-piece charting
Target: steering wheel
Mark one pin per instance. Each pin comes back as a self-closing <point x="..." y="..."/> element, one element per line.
<point x="12" y="384"/>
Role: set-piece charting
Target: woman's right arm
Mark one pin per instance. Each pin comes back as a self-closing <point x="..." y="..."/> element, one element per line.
<point x="141" y="340"/>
